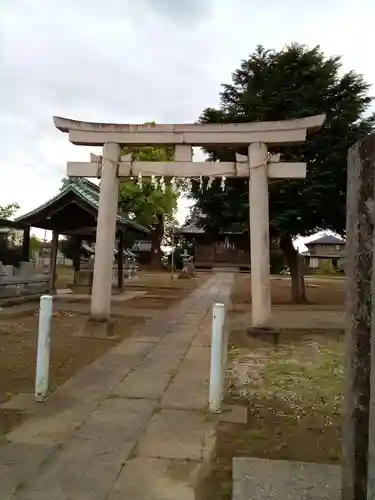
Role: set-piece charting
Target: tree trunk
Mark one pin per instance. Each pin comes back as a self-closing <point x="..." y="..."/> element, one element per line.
<point x="295" y="267"/>
<point x="156" y="237"/>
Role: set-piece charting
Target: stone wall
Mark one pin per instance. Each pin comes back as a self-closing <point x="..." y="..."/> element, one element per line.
<point x="22" y="280"/>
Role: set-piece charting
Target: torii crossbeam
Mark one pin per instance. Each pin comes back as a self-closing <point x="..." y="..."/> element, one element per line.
<point x="258" y="166"/>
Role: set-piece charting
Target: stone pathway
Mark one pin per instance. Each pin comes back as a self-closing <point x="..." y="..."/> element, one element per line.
<point x="133" y="424"/>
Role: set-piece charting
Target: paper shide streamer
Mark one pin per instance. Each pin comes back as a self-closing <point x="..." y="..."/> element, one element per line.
<point x="161" y="183"/>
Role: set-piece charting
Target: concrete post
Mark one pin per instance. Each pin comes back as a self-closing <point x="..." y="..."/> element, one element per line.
<point x="44" y="343"/>
<point x="105" y="234"/>
<point x="259" y="234"/>
<point x="217" y="354"/>
<point x="359" y="347"/>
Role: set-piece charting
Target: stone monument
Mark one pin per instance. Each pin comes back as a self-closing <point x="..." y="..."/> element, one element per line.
<point x="358" y="481"/>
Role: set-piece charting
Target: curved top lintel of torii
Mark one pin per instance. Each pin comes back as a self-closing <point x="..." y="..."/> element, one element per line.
<point x="281" y="132"/>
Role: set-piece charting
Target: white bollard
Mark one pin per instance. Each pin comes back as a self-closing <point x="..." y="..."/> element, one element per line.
<point x="225" y="344"/>
<point x="217" y="357"/>
<point x="44" y="341"/>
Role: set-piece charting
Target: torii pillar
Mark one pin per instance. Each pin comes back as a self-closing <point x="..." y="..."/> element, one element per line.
<point x="259" y="234"/>
<point x="258" y="167"/>
<point x="105" y="233"/>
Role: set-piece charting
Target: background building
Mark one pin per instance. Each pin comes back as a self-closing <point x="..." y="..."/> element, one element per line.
<point x="325" y="254"/>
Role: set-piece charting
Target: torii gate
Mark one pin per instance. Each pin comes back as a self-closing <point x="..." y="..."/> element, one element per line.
<point x="258" y="166"/>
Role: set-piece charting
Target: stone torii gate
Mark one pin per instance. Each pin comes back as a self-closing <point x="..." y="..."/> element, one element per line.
<point x="258" y="166"/>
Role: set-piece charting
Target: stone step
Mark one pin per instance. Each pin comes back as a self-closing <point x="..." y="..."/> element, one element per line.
<point x="263" y="479"/>
<point x="225" y="269"/>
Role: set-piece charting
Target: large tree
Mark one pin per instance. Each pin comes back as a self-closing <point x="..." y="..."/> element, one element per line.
<point x="7" y="211"/>
<point x="149" y="204"/>
<point x="292" y="83"/>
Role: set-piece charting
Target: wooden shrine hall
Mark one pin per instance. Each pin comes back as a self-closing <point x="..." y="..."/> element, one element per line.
<point x="221" y="249"/>
<point x="74" y="212"/>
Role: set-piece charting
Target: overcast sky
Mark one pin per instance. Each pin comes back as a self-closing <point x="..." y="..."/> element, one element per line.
<point x="136" y="61"/>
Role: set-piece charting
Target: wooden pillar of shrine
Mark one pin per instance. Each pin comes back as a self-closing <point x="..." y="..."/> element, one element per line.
<point x="120" y="261"/>
<point x="54" y="249"/>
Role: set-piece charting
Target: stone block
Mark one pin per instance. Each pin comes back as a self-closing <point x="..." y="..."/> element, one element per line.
<point x="262" y="479"/>
<point x="84" y="277"/>
<point x="21" y="401"/>
<point x="184" y="274"/>
<point x="25" y="269"/>
<point x="234" y="414"/>
<point x="7" y="270"/>
<point x="98" y="329"/>
<point x="191" y="268"/>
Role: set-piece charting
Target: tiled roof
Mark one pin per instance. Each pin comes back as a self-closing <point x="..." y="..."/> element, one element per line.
<point x="194" y="228"/>
<point x="89" y="193"/>
<point x="327" y="239"/>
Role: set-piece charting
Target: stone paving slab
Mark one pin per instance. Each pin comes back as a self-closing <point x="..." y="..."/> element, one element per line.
<point x="144" y="383"/>
<point x="167" y="352"/>
<point x="19" y="463"/>
<point x="115" y="360"/>
<point x="97" y="379"/>
<point x="118" y="419"/>
<point x="176" y="434"/>
<point x="93" y="382"/>
<point x="153" y="331"/>
<point x="262" y="479"/>
<point x="88" y="465"/>
<point x="156" y="479"/>
<point x="203" y="339"/>
<point x="189" y="389"/>
<point x="53" y="428"/>
<point x="179" y="341"/>
<point x="85" y="469"/>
